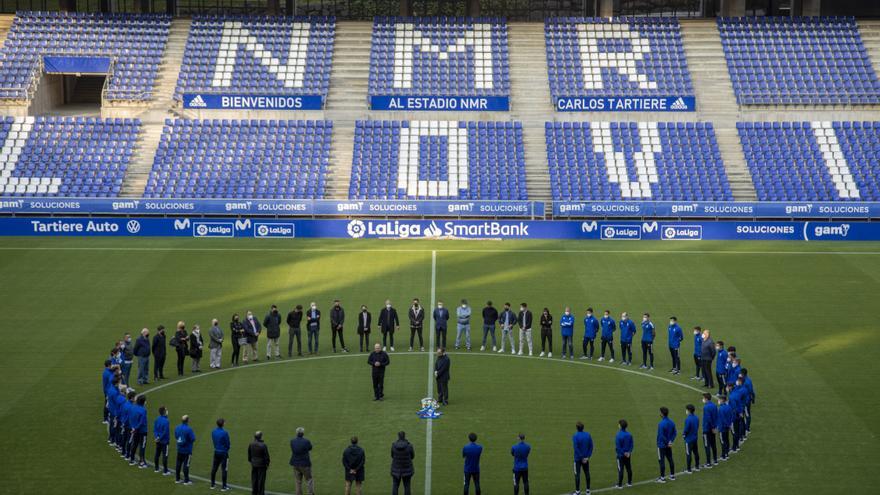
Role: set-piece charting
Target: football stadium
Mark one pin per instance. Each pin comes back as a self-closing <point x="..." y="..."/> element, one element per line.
<point x="461" y="246"/>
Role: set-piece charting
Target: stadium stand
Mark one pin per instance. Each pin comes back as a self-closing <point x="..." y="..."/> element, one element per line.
<point x="259" y="159"/>
<point x="635" y="160"/>
<point x="258" y="55"/>
<point x="65" y="156"/>
<point x="439" y="56"/>
<point x="798" y="61"/>
<point x="623" y="56"/>
<point x="813" y="161"/>
<point x="438" y="160"/>
<point x="134" y="42"/>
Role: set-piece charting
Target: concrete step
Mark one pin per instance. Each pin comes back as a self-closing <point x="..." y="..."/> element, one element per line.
<point x="142" y="162"/>
<point x="166" y="81"/>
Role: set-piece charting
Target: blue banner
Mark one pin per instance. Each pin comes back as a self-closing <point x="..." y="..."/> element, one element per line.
<point x="709" y="209"/>
<point x="366" y="228"/>
<point x="76" y="65"/>
<point x="626" y="104"/>
<point x="441" y="103"/>
<point x="212" y="101"/>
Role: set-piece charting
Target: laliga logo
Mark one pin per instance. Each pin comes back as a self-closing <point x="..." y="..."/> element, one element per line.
<point x="202" y="229"/>
<point x="133" y="226"/>
<point x="262" y="230"/>
<point x="356" y="229"/>
<point x="669" y="232"/>
<point x="433" y="230"/>
<point x="609" y="232"/>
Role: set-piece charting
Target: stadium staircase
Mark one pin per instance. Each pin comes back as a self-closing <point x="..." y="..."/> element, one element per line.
<point x="716" y="102"/>
<point x="870" y="31"/>
<point x="5" y="24"/>
<point x="166" y="81"/>
<point x="142" y="161"/>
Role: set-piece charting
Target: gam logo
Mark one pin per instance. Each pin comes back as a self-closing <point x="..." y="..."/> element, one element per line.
<point x="841" y="230"/>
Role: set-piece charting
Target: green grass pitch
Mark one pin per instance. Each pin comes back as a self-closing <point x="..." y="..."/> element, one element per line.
<point x="802" y="316"/>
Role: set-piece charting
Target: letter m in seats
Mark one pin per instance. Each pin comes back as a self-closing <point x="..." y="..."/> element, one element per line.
<point x="407" y="39"/>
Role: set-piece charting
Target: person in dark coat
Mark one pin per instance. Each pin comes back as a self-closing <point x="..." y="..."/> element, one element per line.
<point x="441" y="319"/>
<point x="337" y="319"/>
<point x="365" y="319"/>
<point x="158" y="349"/>
<point x="142" y="351"/>
<point x="180" y="342"/>
<point x="272" y="323"/>
<point x="353" y="460"/>
<point x="236" y="329"/>
<point x="252" y="329"/>
<point x="294" y="330"/>
<point x="258" y="456"/>
<point x="313" y="327"/>
<point x="302" y="462"/>
<point x="707" y="354"/>
<point x="402" y="470"/>
<point x="441" y="373"/>
<point x="378" y="361"/>
<point x="416" y="323"/>
<point x="196" y="343"/>
<point x="388" y="324"/>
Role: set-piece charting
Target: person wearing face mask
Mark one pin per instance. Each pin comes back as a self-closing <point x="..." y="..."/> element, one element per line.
<point x="127" y="353"/>
<point x="365" y="319"/>
<point x="691" y="433"/>
<point x="441" y="319"/>
<point x="337" y="319"/>
<point x="313" y="327"/>
<point x="463" y="314"/>
<point x="236" y="330"/>
<point x="710" y="429"/>
<point x="416" y="321"/>
<point x="666" y="434"/>
<point x="294" y="322"/>
<point x="195" y="348"/>
<point x="142" y="351"/>
<point x="627" y="332"/>
<point x="441" y="373"/>
<point x="378" y="361"/>
<point x="720" y="367"/>
<point x="524" y="319"/>
<point x="608" y="326"/>
<point x="566" y="327"/>
<point x="648" y="334"/>
<point x="215" y="343"/>
<point x="490" y="318"/>
<point x="180" y="343"/>
<point x="547" y="334"/>
<point x="388" y="324"/>
<point x="158" y="349"/>
<point x="707" y="354"/>
<point x="591" y="330"/>
<point x="272" y="323"/>
<point x="698" y="344"/>
<point x="252" y="329"/>
<point x="507" y="320"/>
<point x="675" y="336"/>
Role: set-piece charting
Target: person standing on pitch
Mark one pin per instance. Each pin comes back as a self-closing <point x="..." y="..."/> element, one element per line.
<point x="608" y="327"/>
<point x="162" y="436"/>
<point x="239" y="340"/>
<point x="441" y="373"/>
<point x="272" y="323"/>
<point x="463" y="316"/>
<point x="388" y="324"/>
<point x="720" y="367"/>
<point x="416" y="323"/>
<point x="337" y="319"/>
<point x="691" y="433"/>
<point x="402" y="469"/>
<point x="258" y="457"/>
<point x="725" y="421"/>
<point x="252" y="329"/>
<point x="490" y="318"/>
<point x="508" y="320"/>
<point x="710" y="428"/>
<point x="623" y="447"/>
<point x="441" y="321"/>
<point x="142" y="351"/>
<point x="313" y="327"/>
<point x="648" y="335"/>
<point x="627" y="332"/>
<point x="220" y="439"/>
<point x="365" y="319"/>
<point x="583" y="450"/>
<point x="547" y="335"/>
<point x="698" y="351"/>
<point x="666" y="434"/>
<point x="353" y="460"/>
<point x="591" y="330"/>
<point x="520" y="452"/>
<point x="126" y="351"/>
<point x="158" y="349"/>
<point x="471" y="454"/>
<point x="675" y="336"/>
<point x="294" y="330"/>
<point x="750" y="398"/>
<point x="524" y="319"/>
<point x="215" y="343"/>
<point x="138" y="421"/>
<point x="566" y="327"/>
<point x="300" y="446"/>
<point x="378" y="360"/>
<point x="185" y="438"/>
<point x="707" y="354"/>
<point x="180" y="342"/>
<point x="196" y="344"/>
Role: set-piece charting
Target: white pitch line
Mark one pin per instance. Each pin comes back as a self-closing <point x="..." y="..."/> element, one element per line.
<point x="429" y="423"/>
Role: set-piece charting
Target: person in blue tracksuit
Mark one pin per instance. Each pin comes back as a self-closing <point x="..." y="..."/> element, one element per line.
<point x="698" y="346"/>
<point x="627" y="332"/>
<point x="666" y="434"/>
<point x="138" y="419"/>
<point x="675" y="336"/>
<point x="112" y="412"/>
<point x="725" y="421"/>
<point x="648" y="334"/>
<point x="185" y="438"/>
<point x="737" y="394"/>
<point x="583" y="450"/>
<point x="106" y="378"/>
<point x="125" y="423"/>
<point x="220" y="439"/>
<point x="720" y="364"/>
<point x="710" y="428"/>
<point x="608" y="327"/>
<point x="591" y="330"/>
<point x="122" y="405"/>
<point x="566" y="327"/>
<point x="162" y="435"/>
<point x="623" y="448"/>
<point x="733" y="368"/>
<point x="750" y="387"/>
<point x="471" y="453"/>
<point x="691" y="433"/>
<point x="520" y="453"/>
